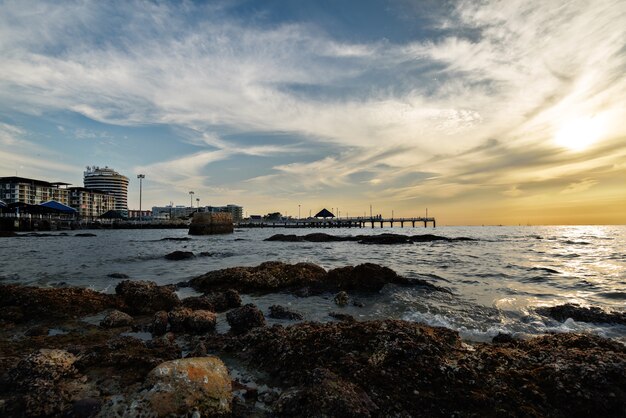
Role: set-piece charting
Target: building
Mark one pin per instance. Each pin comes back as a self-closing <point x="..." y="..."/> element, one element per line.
<point x="31" y="191"/>
<point x="235" y="210"/>
<point x="108" y="180"/>
<point x="139" y="214"/>
<point x="90" y="203"/>
<point x="172" y="212"/>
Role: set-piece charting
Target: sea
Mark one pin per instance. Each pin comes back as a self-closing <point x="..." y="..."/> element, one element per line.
<point x="496" y="281"/>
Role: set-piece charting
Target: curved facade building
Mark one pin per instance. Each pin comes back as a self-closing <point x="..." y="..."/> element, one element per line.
<point x="108" y="180"/>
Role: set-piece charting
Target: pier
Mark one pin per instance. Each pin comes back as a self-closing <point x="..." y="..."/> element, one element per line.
<point x="358" y="222"/>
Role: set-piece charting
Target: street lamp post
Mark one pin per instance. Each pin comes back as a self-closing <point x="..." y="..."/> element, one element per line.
<point x="298" y="211"/>
<point x="140" y="177"/>
<point x="198" y="203"/>
<point x="191" y="193"/>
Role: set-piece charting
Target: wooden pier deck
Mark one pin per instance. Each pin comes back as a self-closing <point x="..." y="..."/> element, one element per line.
<point x="359" y="222"/>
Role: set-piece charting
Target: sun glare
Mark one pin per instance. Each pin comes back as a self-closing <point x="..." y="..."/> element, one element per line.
<point x="579" y="134"/>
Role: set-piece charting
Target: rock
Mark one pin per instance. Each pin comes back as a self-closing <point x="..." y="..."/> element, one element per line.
<point x="215" y="302"/>
<point x="26" y="303"/>
<point x="341" y="298"/>
<point x="118" y="276"/>
<point x="37" y="331"/>
<point x="179" y="255"/>
<point x="86" y="234"/>
<point x="380" y="239"/>
<point x="582" y="314"/>
<point x="178" y="387"/>
<point x="503" y="338"/>
<point x="115" y="319"/>
<point x="45" y="364"/>
<point x="285" y="238"/>
<point x="364" y="277"/>
<point x="175" y="239"/>
<point x="159" y="323"/>
<point x="281" y="312"/>
<point x="385" y="239"/>
<point x="187" y="320"/>
<point x="8" y="234"/>
<point x="267" y="277"/>
<point x="399" y="368"/>
<point x="211" y="223"/>
<point x="144" y="297"/>
<point x="341" y="316"/>
<point x="86" y="408"/>
<point x="243" y="319"/>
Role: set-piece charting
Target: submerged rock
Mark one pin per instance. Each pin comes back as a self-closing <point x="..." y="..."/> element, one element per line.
<point x="583" y="314"/>
<point x="364" y="277"/>
<point x="379" y="239"/>
<point x="116" y="319"/>
<point x="118" y="276"/>
<point x="243" y="319"/>
<point x="281" y="312"/>
<point x="144" y="297"/>
<point x="179" y="255"/>
<point x="216" y="302"/>
<point x="341" y="298"/>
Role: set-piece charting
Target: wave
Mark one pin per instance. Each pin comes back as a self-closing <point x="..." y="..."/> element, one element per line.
<point x="545" y="269"/>
<point x="613" y="295"/>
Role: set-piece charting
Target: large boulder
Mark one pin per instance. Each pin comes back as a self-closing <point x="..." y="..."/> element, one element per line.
<point x="243" y="319"/>
<point x="583" y="314"/>
<point x="211" y="223"/>
<point x="144" y="297"/>
<point x="364" y="277"/>
<point x="179" y="388"/>
<point x="179" y="255"/>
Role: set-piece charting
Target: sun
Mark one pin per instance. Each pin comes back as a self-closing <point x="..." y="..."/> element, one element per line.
<point x="579" y="134"/>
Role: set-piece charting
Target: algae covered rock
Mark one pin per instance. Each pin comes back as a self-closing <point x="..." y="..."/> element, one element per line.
<point x="180" y="388"/>
<point x="144" y="297"/>
<point x="243" y="319"/>
<point x="115" y="319"/>
<point x="196" y="322"/>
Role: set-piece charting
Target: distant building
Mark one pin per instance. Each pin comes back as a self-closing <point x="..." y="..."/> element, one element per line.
<point x="90" y="203"/>
<point x="235" y="210"/>
<point x="108" y="180"/>
<point x="31" y="191"/>
<point x="171" y="212"/>
<point x="137" y="214"/>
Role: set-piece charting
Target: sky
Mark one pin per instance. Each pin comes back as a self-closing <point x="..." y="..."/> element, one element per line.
<point x="483" y="111"/>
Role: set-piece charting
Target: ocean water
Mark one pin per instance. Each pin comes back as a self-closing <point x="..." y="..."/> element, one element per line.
<point x="497" y="281"/>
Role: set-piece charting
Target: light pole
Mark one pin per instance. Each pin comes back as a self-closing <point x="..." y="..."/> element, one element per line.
<point x="198" y="203"/>
<point x="298" y="211"/>
<point x="140" y="177"/>
<point x="191" y="193"/>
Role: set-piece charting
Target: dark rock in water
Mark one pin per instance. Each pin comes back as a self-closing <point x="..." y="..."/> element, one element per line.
<point x="385" y="239"/>
<point x="428" y="286"/>
<point x="322" y="237"/>
<point x="215" y="302"/>
<point x="8" y="234"/>
<point x="243" y="319"/>
<point x="159" y="323"/>
<point x="341" y="316"/>
<point x="115" y="319"/>
<point x="380" y="239"/>
<point x="285" y="238"/>
<point x="195" y="322"/>
<point x="582" y="314"/>
<point x="341" y="298"/>
<point x="364" y="277"/>
<point x="118" y="276"/>
<point x="281" y="312"/>
<point x="179" y="255"/>
<point x="86" y="408"/>
<point x="175" y="239"/>
<point x="399" y="368"/>
<point x="86" y="234"/>
<point x="144" y="297"/>
<point x="25" y="302"/>
<point x="267" y="277"/>
<point x="503" y="338"/>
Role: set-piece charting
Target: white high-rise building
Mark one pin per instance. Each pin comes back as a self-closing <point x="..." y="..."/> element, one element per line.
<point x="108" y="180"/>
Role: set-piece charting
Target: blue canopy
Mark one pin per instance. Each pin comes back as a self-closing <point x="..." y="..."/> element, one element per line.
<point x="53" y="204"/>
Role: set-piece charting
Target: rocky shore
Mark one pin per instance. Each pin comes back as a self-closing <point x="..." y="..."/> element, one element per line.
<point x="381" y="239"/>
<point x="144" y="351"/>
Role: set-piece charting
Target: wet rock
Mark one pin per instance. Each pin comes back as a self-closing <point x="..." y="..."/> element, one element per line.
<point x="285" y="238"/>
<point x="37" y="331"/>
<point x="341" y="298"/>
<point x="86" y="408"/>
<point x="215" y="302"/>
<point x="179" y="255"/>
<point x="115" y="319"/>
<point x="583" y="314"/>
<point x="7" y="234"/>
<point x="341" y="316"/>
<point x="437" y="374"/>
<point x="281" y="312"/>
<point x="328" y="395"/>
<point x="180" y="387"/>
<point x="187" y="320"/>
<point x="385" y="239"/>
<point x="46" y="364"/>
<point x="379" y="239"/>
<point x="26" y="303"/>
<point x="267" y="277"/>
<point x="175" y="239"/>
<point x="144" y="297"/>
<point x="243" y="319"/>
<point x="85" y="234"/>
<point x="364" y="277"/>
<point x="159" y="323"/>
<point x="503" y="338"/>
<point x="118" y="276"/>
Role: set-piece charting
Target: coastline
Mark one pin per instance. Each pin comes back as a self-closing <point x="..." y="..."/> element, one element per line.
<point x="101" y="351"/>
